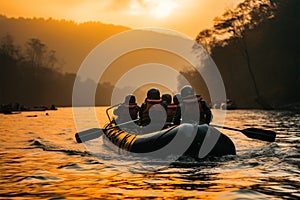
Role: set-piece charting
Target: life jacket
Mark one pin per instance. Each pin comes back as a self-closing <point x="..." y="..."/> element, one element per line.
<point x="133" y="110"/>
<point x="123" y="110"/>
<point x="171" y="111"/>
<point x="203" y="117"/>
<point x="155" y="105"/>
<point x="200" y="101"/>
<point x="189" y="112"/>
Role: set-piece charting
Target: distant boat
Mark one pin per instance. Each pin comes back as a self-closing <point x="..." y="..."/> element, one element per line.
<point x="6" y="109"/>
<point x="52" y="107"/>
<point x="216" y="106"/>
<point x="15" y="108"/>
<point x="8" y="112"/>
<point x="38" y="108"/>
<point x="33" y="109"/>
<point x="228" y="105"/>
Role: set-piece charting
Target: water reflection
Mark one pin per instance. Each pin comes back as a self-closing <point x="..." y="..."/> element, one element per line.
<point x="40" y="158"/>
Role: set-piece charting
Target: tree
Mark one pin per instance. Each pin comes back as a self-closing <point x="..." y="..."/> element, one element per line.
<point x="205" y="38"/>
<point x="8" y="48"/>
<point x="52" y="60"/>
<point x="35" y="51"/>
<point x="234" y="25"/>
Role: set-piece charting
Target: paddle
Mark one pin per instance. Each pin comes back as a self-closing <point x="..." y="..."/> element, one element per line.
<point x="255" y="133"/>
<point x="94" y="133"/>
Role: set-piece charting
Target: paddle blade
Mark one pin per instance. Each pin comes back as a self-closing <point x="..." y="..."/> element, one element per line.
<point x="88" y="135"/>
<point x="260" y="134"/>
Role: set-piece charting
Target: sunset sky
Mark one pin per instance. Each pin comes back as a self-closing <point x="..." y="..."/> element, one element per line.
<point x="185" y="16"/>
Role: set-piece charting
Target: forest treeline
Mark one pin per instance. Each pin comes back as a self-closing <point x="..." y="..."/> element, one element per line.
<point x="31" y="76"/>
<point x="256" y="47"/>
<point x="72" y="41"/>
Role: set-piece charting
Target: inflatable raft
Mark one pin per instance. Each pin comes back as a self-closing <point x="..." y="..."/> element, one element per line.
<point x="196" y="141"/>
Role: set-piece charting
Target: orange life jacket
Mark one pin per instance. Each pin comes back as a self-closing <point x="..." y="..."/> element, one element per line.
<point x="123" y="109"/>
<point x="156" y="104"/>
<point x="171" y="111"/>
<point x="133" y="110"/>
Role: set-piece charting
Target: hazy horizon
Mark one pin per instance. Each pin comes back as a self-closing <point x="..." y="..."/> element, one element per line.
<point x="188" y="17"/>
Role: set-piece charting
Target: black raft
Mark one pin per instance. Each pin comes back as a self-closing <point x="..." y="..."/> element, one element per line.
<point x="196" y="141"/>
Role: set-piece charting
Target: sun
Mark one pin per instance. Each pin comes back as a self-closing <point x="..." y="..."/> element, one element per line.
<point x="152" y="8"/>
<point x="163" y="9"/>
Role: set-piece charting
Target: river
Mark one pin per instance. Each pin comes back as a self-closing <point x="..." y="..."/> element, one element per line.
<point x="40" y="159"/>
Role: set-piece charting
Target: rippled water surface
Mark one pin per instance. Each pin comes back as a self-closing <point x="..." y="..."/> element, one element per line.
<point x="40" y="159"/>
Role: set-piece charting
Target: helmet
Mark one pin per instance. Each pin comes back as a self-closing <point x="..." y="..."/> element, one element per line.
<point x="130" y="99"/>
<point x="177" y="98"/>
<point x="167" y="98"/>
<point x="153" y="93"/>
<point x="187" y="91"/>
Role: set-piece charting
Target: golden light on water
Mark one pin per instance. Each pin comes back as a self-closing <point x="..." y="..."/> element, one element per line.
<point x="40" y="158"/>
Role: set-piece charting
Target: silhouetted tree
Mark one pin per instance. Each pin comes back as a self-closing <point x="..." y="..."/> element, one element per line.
<point x="35" y="51"/>
<point x="51" y="59"/>
<point x="8" y="62"/>
<point x="30" y="76"/>
<point x="8" y="48"/>
<point x="205" y="38"/>
<point x="238" y="22"/>
<point x="258" y="41"/>
<point x="235" y="24"/>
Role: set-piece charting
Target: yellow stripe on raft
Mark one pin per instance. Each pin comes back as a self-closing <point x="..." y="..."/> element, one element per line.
<point x="121" y="138"/>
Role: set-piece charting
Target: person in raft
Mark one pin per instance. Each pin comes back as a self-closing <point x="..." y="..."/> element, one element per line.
<point x="176" y="108"/>
<point x="154" y="103"/>
<point x="205" y="112"/>
<point x="190" y="104"/>
<point x="167" y="99"/>
<point x="127" y="111"/>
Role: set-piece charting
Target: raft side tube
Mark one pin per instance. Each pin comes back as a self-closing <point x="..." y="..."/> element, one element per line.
<point x="151" y="142"/>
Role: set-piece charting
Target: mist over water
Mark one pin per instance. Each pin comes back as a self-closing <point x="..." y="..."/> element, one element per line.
<point x="40" y="159"/>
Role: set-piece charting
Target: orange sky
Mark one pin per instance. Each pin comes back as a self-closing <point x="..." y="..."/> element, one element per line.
<point x="185" y="16"/>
